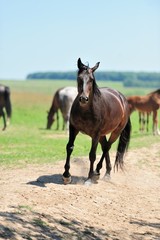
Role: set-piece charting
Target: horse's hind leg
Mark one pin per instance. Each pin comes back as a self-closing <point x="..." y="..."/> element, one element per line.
<point x="69" y="148"/>
<point x="4" y="120"/>
<point x="147" y="129"/>
<point x="155" y="123"/>
<point x="105" y="148"/>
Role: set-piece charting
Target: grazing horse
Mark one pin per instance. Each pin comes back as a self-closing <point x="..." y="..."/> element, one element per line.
<point x="5" y="102"/>
<point x="148" y="103"/>
<point x="62" y="100"/>
<point x="98" y="112"/>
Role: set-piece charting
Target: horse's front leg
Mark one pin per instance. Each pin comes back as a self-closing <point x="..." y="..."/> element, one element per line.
<point x="92" y="177"/>
<point x="69" y="148"/>
<point x="64" y="123"/>
<point x="57" y="114"/>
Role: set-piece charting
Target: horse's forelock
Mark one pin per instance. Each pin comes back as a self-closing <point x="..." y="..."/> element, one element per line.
<point x="82" y="69"/>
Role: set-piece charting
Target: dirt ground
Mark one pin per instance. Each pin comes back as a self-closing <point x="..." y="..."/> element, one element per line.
<point x="34" y="203"/>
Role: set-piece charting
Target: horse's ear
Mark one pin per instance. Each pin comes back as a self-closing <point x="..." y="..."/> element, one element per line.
<point x="80" y="65"/>
<point x="95" y="67"/>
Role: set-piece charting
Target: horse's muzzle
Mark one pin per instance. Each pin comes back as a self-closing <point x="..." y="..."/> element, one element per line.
<point x="83" y="99"/>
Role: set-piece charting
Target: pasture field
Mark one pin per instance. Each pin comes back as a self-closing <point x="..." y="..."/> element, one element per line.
<point x="27" y="141"/>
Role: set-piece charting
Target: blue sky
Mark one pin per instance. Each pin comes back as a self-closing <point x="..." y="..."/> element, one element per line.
<point x="50" y="35"/>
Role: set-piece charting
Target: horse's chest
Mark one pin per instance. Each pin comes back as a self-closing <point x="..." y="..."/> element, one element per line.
<point x="84" y="121"/>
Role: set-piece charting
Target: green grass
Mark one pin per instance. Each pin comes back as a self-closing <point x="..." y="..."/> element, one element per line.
<point x="27" y="141"/>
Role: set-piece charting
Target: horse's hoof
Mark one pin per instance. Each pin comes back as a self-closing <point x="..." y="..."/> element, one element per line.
<point x="88" y="182"/>
<point x="66" y="180"/>
<point x="92" y="180"/>
<point x="95" y="178"/>
<point x="107" y="177"/>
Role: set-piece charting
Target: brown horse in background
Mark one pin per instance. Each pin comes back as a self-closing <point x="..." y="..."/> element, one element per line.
<point x="148" y="103"/>
<point x="98" y="112"/>
<point x="62" y="101"/>
<point x="5" y="103"/>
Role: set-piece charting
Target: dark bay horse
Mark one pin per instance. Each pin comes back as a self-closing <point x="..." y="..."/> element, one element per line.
<point x="149" y="103"/>
<point x="5" y="103"/>
<point x="98" y="112"/>
<point x="62" y="101"/>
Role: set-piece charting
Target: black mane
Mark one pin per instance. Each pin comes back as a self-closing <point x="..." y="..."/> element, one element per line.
<point x="96" y="88"/>
<point x="155" y="92"/>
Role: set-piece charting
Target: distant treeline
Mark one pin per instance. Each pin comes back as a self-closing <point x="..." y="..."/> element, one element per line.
<point x="129" y="79"/>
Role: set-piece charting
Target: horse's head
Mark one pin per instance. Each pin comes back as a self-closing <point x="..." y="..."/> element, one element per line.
<point x="86" y="81"/>
<point x="131" y="104"/>
<point x="50" y="119"/>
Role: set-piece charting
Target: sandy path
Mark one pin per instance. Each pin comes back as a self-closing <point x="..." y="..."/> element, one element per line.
<point x="34" y="203"/>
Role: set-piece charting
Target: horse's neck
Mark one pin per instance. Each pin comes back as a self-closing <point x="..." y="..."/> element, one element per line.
<point x="53" y="109"/>
<point x="55" y="105"/>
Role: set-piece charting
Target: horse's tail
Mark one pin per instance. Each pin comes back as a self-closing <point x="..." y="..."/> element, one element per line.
<point x="123" y="145"/>
<point x="8" y="104"/>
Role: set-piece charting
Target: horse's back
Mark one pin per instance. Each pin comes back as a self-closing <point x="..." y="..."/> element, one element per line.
<point x="111" y="92"/>
<point x="66" y="97"/>
<point x="69" y="92"/>
<point x="113" y="96"/>
<point x="146" y="103"/>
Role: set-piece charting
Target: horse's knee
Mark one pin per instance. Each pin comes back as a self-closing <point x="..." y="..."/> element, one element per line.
<point x="92" y="156"/>
<point x="69" y="148"/>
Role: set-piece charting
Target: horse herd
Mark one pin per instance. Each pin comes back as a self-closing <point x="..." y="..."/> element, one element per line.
<point x="145" y="105"/>
<point x="96" y="112"/>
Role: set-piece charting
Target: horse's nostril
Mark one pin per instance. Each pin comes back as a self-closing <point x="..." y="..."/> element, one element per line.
<point x="83" y="99"/>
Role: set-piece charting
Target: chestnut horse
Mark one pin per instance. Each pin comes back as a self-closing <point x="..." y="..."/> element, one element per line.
<point x="62" y="101"/>
<point x="98" y="112"/>
<point x="148" y="103"/>
<point x="5" y="103"/>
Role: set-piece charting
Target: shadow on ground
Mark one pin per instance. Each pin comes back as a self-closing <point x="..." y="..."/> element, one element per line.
<point x="23" y="223"/>
<point x="56" y="179"/>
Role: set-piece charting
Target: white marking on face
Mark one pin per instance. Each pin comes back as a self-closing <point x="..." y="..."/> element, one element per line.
<point x="85" y="80"/>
